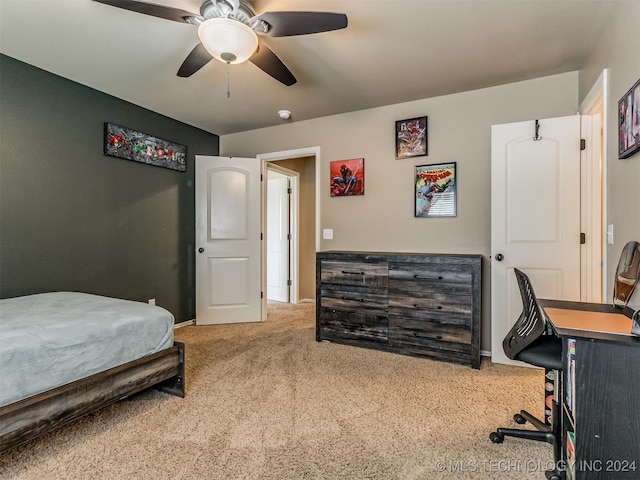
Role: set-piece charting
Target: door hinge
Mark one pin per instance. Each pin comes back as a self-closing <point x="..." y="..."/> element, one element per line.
<point x="261" y="295"/>
<point x="261" y="178"/>
<point x="289" y="236"/>
<point x="289" y="283"/>
<point x="583" y="238"/>
<point x="583" y="144"/>
<point x="260" y="235"/>
<point x="289" y="190"/>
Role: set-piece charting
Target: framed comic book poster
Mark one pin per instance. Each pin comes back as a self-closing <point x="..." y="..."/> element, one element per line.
<point x="435" y="190"/>
<point x="411" y="137"/>
<point x="347" y="177"/>
<point x="629" y="122"/>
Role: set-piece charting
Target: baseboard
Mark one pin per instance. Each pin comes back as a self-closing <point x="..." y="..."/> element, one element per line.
<point x="307" y="300"/>
<point x="184" y="324"/>
<point x="485" y="353"/>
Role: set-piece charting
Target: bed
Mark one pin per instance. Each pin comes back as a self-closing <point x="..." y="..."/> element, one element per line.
<point x="66" y="354"/>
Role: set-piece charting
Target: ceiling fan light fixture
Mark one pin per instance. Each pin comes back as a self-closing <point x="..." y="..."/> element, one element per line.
<point x="228" y="40"/>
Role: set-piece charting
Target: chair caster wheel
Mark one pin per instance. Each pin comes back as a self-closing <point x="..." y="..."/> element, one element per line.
<point x="519" y="419"/>
<point x="495" y="437"/>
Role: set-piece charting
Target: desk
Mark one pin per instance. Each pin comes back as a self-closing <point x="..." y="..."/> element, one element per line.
<point x="600" y="404"/>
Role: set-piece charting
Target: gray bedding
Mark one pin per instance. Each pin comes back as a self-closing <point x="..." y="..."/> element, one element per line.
<point x="51" y="339"/>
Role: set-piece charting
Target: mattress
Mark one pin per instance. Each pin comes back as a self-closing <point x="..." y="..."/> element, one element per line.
<point x="51" y="339"/>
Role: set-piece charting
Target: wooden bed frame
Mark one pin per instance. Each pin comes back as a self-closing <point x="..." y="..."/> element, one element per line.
<point x="29" y="418"/>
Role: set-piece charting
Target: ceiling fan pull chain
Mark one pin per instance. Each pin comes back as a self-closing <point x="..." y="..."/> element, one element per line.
<point x="228" y="82"/>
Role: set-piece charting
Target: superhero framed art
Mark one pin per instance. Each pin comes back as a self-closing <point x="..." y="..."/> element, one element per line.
<point x="347" y="177"/>
<point x="411" y="137"/>
<point x="629" y="122"/>
<point x="435" y="190"/>
<point x="128" y="144"/>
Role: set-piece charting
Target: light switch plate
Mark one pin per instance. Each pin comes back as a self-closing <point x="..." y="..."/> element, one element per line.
<point x="327" y="234"/>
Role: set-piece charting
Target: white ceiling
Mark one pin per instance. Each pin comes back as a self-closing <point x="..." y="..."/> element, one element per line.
<point x="392" y="51"/>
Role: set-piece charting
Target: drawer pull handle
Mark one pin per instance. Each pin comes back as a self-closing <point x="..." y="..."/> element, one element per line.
<point x="425" y="277"/>
<point x="358" y="326"/>
<point x="345" y="272"/>
<point x="415" y="305"/>
<point x="417" y="335"/>
<point x="357" y="299"/>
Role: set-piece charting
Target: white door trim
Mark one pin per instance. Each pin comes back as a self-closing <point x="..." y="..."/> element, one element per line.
<point x="284" y="155"/>
<point x="596" y="103"/>
<point x="591" y="210"/>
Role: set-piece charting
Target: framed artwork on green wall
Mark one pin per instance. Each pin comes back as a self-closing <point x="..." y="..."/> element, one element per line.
<point x="128" y="144"/>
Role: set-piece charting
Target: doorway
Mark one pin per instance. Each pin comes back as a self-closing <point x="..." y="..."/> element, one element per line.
<point x="304" y="163"/>
<point x="282" y="233"/>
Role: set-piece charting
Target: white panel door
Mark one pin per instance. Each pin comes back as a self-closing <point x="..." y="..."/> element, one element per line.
<point x="535" y="217"/>
<point x="277" y="236"/>
<point x="228" y="263"/>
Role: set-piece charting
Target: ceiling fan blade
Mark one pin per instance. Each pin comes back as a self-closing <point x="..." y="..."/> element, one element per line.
<point x="286" y="24"/>
<point x="161" y="11"/>
<point x="197" y="59"/>
<point x="269" y="62"/>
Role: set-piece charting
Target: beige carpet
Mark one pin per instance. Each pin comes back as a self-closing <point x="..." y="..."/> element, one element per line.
<point x="266" y="401"/>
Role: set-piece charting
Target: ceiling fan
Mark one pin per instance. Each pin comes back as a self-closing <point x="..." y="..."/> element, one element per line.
<point x="229" y="31"/>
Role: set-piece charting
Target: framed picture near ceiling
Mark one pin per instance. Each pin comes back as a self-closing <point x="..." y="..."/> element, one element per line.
<point x="629" y="122"/>
<point x="347" y="177"/>
<point x="435" y="190"/>
<point x="411" y="137"/>
<point x="128" y="144"/>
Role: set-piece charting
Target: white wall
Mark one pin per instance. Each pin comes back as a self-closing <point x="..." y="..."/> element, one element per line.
<point x="459" y="131"/>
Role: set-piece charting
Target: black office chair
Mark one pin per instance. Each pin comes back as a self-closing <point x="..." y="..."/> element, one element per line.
<point x="531" y="342"/>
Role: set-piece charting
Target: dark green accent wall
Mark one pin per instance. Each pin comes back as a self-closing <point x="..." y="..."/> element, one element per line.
<point x="73" y="219"/>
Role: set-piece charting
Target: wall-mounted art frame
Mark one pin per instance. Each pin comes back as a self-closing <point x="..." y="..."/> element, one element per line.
<point x="123" y="142"/>
<point x="411" y="137"/>
<point x="435" y="190"/>
<point x="347" y="177"/>
<point x="629" y="122"/>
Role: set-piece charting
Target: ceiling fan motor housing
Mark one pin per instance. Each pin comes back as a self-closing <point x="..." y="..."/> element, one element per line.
<point x="225" y="9"/>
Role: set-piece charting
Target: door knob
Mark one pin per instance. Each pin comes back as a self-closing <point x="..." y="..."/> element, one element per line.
<point x="499" y="257"/>
<point x="201" y="250"/>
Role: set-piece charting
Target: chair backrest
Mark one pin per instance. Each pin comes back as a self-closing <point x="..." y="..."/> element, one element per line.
<point x="530" y="324"/>
<point x="627" y="274"/>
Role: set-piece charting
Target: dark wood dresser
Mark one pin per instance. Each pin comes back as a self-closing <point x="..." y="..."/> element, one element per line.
<point x="425" y="305"/>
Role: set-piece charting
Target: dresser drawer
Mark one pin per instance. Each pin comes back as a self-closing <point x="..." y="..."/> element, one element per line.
<point x="417" y="330"/>
<point x="338" y="324"/>
<point x="443" y="308"/>
<point x="355" y="273"/>
<point x="427" y="279"/>
<point x="356" y="299"/>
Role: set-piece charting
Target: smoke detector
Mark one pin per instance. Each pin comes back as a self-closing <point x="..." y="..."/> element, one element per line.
<point x="284" y="114"/>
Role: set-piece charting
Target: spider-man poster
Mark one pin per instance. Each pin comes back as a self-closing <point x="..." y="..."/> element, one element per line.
<point x="435" y="190"/>
<point x="347" y="177"/>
